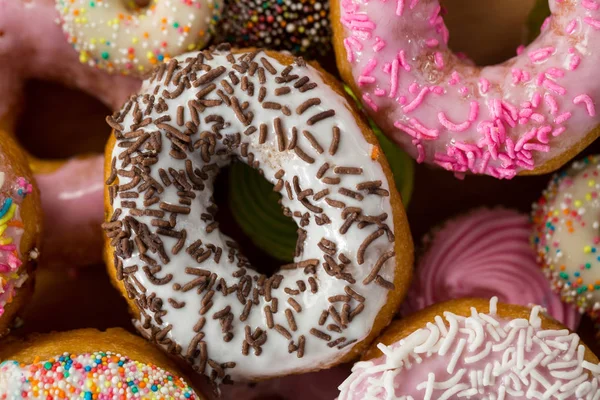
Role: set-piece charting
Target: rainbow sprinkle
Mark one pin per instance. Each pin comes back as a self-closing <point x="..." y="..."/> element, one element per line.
<point x="567" y="234"/>
<point x="98" y="376"/>
<point x="11" y="230"/>
<point x="131" y="40"/>
<point x="299" y="26"/>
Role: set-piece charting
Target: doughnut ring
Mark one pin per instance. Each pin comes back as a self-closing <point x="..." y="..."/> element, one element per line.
<point x="529" y="115"/>
<point x="189" y="286"/>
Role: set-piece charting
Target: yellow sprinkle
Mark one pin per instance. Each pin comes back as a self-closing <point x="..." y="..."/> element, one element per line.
<point x="150" y="55"/>
<point x="83" y="58"/>
<point x="3" y="228"/>
<point x="191" y="46"/>
<point x="5" y="241"/>
<point x="577" y="203"/>
<point x="9" y="214"/>
<point x="587" y="249"/>
<point x="588" y="197"/>
<point x="134" y="40"/>
<point x="591" y="183"/>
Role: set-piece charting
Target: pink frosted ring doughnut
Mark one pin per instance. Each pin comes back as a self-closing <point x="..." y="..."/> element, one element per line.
<point x="530" y="114"/>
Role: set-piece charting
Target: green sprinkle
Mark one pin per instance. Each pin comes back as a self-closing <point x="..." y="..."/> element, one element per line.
<point x="564" y="275"/>
<point x="48" y="365"/>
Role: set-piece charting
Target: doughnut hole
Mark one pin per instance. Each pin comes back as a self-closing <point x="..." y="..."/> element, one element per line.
<point x="260" y="259"/>
<point x="475" y="28"/>
<point x="59" y="122"/>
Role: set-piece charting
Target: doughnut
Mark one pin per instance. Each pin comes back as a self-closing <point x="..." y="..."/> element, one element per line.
<point x="484" y="253"/>
<point x="467" y="349"/>
<point x="565" y="234"/>
<point x="89" y="364"/>
<point x="33" y="46"/>
<point x="20" y="230"/>
<point x="301" y="27"/>
<point x="191" y="289"/>
<point x="528" y="115"/>
<point x="111" y="35"/>
<point x="255" y="207"/>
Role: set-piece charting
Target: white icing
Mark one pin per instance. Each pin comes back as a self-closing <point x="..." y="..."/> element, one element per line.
<point x="353" y="151"/>
<point x="531" y="362"/>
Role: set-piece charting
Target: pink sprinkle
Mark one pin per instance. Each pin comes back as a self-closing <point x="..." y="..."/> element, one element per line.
<point x="8" y="247"/>
<point x="555" y="72"/>
<point x="541" y="54"/>
<point x="463" y="90"/>
<point x="571" y="27"/>
<point x="555" y="87"/>
<point x="510" y="147"/>
<point x="558" y="131"/>
<point x="379" y="44"/>
<point x="517" y="74"/>
<point x="370" y="102"/>
<point x="436" y="89"/>
<point x="416" y="102"/>
<point x="432" y="42"/>
<point x="452" y="126"/>
<point x="454" y="79"/>
<point x="434" y="16"/>
<point x="546" y="23"/>
<point x="408" y="130"/>
<point x="520" y="50"/>
<point x="537" y="147"/>
<point x="525" y="138"/>
<point x="439" y="60"/>
<point x="400" y="8"/>
<point x="362" y="25"/>
<point x="413" y="88"/>
<point x="484" y="85"/>
<point x="413" y="4"/>
<point x="355" y="43"/>
<point x="589" y="103"/>
<point x="394" y="78"/>
<point x="594" y="23"/>
<point x="420" y="151"/>
<point x="540" y="79"/>
<point x="574" y="63"/>
<point x="542" y="134"/>
<point x="379" y="92"/>
<point x="4" y="268"/>
<point x="402" y="100"/>
<point x="496" y="108"/>
<point x="431" y="133"/>
<point x="511" y="109"/>
<point x="349" y="51"/>
<point x="525" y="113"/>
<point x="551" y="102"/>
<point x="371" y="64"/>
<point x="473" y="111"/>
<point x="539" y="118"/>
<point x="364" y="80"/>
<point x="536" y="100"/>
<point x="590" y="4"/>
<point x="402" y="57"/>
<point x="387" y="68"/>
<point x="484" y="162"/>
<point x="562" y="118"/>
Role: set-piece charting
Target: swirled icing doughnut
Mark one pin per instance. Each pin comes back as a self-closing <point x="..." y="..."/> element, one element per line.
<point x="191" y="289"/>
<point x="111" y="35"/>
<point x="301" y="27"/>
<point x="528" y="115"/>
<point x="458" y="350"/>
<point x="20" y="230"/>
<point x="89" y="364"/>
<point x="566" y="238"/>
<point x="484" y="253"/>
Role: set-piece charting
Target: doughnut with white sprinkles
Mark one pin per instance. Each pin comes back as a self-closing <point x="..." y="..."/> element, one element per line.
<point x="496" y="355"/>
<point x="195" y="293"/>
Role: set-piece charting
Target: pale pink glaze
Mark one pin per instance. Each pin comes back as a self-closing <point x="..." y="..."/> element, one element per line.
<point x="32" y="45"/>
<point x="321" y="385"/>
<point x="72" y="199"/>
<point x="497" y="120"/>
<point x="485" y="253"/>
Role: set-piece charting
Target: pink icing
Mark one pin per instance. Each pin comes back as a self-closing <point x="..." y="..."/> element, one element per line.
<point x="72" y="199"/>
<point x="32" y="45"/>
<point x="481" y="356"/>
<point x="497" y="120"/>
<point x="482" y="254"/>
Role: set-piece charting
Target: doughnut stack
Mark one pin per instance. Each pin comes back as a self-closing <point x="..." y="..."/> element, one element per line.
<point x="304" y="275"/>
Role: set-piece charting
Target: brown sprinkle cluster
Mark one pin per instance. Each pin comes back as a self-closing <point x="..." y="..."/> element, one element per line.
<point x="197" y="129"/>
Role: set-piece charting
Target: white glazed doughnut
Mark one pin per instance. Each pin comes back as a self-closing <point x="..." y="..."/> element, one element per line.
<point x="531" y="113"/>
<point x="566" y="223"/>
<point x="111" y="35"/>
<point x="194" y="291"/>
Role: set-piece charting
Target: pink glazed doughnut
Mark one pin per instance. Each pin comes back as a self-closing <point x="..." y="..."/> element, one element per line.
<point x="529" y="115"/>
<point x="484" y="253"/>
<point x="33" y="46"/>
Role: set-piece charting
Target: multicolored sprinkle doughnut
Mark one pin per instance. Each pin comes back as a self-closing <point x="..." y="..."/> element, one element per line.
<point x="127" y="368"/>
<point x="121" y="37"/>
<point x="455" y="350"/>
<point x="566" y="235"/>
<point x="193" y="291"/>
<point x="529" y="115"/>
<point x="484" y="253"/>
<point x="299" y="26"/>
